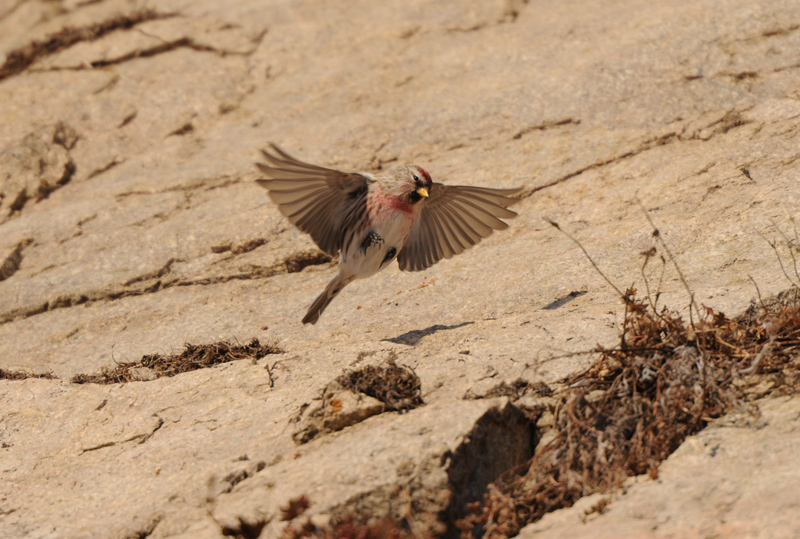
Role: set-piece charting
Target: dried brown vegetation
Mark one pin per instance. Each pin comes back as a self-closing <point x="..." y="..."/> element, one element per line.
<point x="22" y="375"/>
<point x="192" y="358"/>
<point x="624" y="415"/>
<point x="398" y="387"/>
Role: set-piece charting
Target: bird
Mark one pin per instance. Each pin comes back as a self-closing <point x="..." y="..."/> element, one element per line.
<point x="371" y="219"/>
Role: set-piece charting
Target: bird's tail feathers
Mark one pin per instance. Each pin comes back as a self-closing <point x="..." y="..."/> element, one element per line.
<point x="322" y="301"/>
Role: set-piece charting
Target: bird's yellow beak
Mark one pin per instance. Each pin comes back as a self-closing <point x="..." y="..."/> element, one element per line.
<point x="422" y="191"/>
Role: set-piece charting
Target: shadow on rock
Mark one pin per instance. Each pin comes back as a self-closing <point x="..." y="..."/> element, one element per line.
<point x="411" y="338"/>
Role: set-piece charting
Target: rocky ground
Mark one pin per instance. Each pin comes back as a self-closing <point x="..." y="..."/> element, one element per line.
<point x="130" y="225"/>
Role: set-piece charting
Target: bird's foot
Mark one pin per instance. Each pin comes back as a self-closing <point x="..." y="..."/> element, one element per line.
<point x="370" y="240"/>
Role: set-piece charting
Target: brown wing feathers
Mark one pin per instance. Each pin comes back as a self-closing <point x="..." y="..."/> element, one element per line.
<point x="453" y="220"/>
<point x="314" y="198"/>
<point x="328" y="204"/>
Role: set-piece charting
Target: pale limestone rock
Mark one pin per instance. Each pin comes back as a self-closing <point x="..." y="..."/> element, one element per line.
<point x="691" y="107"/>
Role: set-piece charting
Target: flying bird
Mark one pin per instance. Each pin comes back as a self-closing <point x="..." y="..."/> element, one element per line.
<point x="371" y="219"/>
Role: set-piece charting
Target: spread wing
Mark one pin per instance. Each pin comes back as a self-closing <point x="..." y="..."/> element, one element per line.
<point x="322" y="202"/>
<point x="453" y="219"/>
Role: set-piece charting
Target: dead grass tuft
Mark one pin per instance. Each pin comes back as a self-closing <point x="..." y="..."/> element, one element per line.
<point x="629" y="411"/>
<point x="192" y="358"/>
<point x="398" y="387"/>
<point x="23" y="375"/>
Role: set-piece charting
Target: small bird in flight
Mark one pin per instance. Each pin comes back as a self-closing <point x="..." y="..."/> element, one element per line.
<point x="371" y="219"/>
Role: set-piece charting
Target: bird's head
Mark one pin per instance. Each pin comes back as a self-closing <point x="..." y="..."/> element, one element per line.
<point x="412" y="183"/>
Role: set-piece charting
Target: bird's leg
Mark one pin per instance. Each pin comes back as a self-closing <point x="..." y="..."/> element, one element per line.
<point x="370" y="240"/>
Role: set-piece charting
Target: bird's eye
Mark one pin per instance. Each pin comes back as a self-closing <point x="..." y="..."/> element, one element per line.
<point x="416" y="179"/>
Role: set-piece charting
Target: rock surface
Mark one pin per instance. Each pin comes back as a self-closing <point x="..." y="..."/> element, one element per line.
<point x="734" y="479"/>
<point x="130" y="225"/>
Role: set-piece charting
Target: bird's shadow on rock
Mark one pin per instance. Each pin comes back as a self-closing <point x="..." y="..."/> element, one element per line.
<point x="411" y="338"/>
